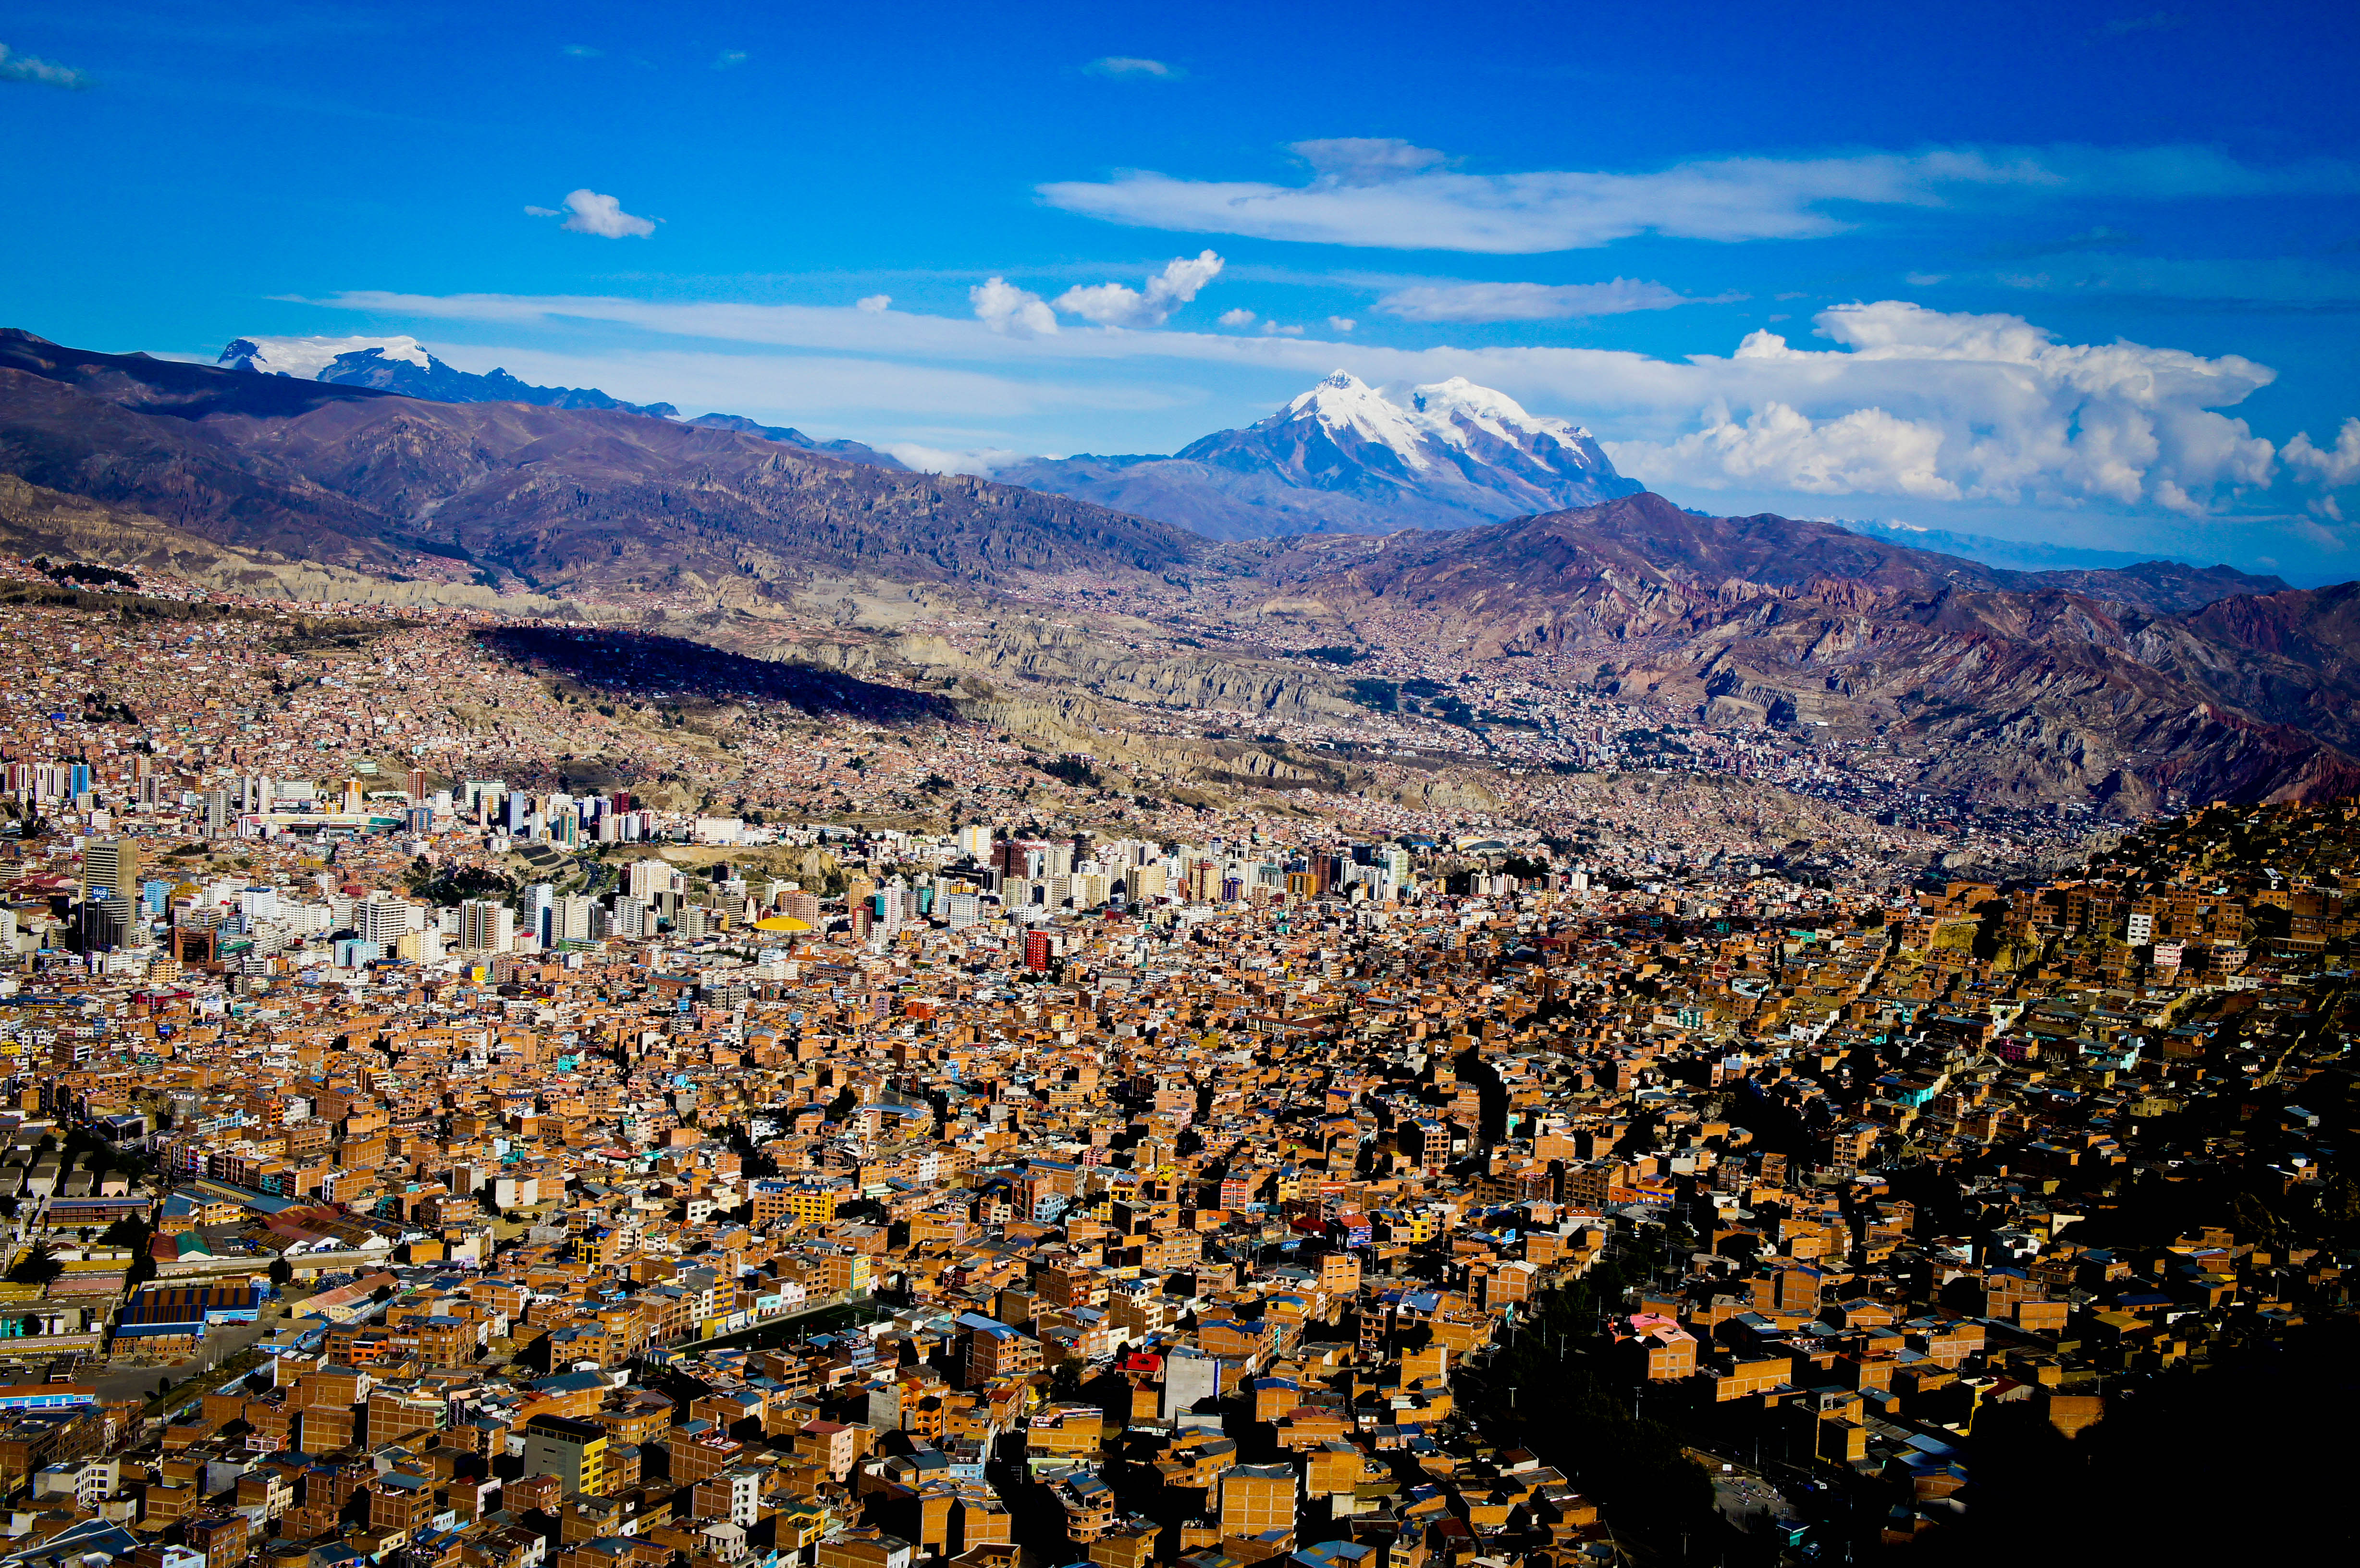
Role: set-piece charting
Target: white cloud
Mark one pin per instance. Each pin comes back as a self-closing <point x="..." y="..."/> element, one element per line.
<point x="729" y="59"/>
<point x="983" y="461"/>
<point x="591" y="214"/>
<point x="1526" y="301"/>
<point x="581" y="51"/>
<point x="532" y="211"/>
<point x="1918" y="402"/>
<point x="2330" y="468"/>
<point x="1366" y="160"/>
<point x="1131" y="65"/>
<point x="39" y="73"/>
<point x="1238" y="317"/>
<point x="1012" y="312"/>
<point x="873" y="304"/>
<point x="2021" y="418"/>
<point x="1866" y="451"/>
<point x="1116" y="305"/>
<point x="1392" y="195"/>
<point x="1341" y="324"/>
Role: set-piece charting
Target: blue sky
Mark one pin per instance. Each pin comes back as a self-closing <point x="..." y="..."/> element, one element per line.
<point x="2081" y="273"/>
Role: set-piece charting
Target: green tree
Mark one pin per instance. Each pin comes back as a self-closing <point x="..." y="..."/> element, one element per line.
<point x="37" y="1267"/>
<point x="130" y="1231"/>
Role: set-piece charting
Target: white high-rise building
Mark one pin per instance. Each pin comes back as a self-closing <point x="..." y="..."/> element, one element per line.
<point x="380" y="921"/>
<point x="570" y="918"/>
<point x="646" y="879"/>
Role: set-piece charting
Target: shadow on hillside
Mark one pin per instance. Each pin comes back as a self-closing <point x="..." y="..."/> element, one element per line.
<point x="650" y="669"/>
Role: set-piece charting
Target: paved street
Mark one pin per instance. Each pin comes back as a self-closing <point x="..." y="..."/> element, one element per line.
<point x="1743" y="1498"/>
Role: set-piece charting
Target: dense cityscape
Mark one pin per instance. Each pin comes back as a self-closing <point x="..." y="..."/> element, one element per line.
<point x="499" y="1093"/>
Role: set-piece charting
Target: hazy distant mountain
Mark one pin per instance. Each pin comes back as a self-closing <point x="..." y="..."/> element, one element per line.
<point x="589" y="503"/>
<point x="2118" y="576"/>
<point x="403" y="365"/>
<point x="1345" y="457"/>
<point x="2022" y="555"/>
<point x="850" y="451"/>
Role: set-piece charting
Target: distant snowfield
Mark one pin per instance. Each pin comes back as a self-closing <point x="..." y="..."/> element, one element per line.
<point x="304" y="358"/>
<point x="1403" y="419"/>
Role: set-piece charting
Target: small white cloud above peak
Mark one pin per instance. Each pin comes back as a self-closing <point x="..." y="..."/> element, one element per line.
<point x="1135" y="66"/>
<point x="1366" y="160"/>
<point x="1012" y="312"/>
<point x="1118" y="305"/>
<point x="1764" y="343"/>
<point x="1237" y="318"/>
<point x="1526" y="302"/>
<point x="873" y="304"/>
<point x="40" y="72"/>
<point x="588" y="213"/>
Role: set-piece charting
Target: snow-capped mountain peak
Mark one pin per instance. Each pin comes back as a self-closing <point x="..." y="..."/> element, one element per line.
<point x="403" y="365"/>
<point x="1345" y="405"/>
<point x="1408" y="419"/>
<point x="305" y="358"/>
<point x="1345" y="455"/>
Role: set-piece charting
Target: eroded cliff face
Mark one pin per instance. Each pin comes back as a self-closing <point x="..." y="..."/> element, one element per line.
<point x="1064" y="688"/>
<point x="2099" y="686"/>
<point x="1075" y="659"/>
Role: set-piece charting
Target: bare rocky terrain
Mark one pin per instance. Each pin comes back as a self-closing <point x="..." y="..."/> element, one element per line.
<point x="1170" y="655"/>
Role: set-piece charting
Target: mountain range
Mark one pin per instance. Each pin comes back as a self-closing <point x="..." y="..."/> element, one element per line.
<point x="2114" y="685"/>
<point x="1345" y="457"/>
<point x="2022" y="555"/>
<point x="403" y="364"/>
<point x="2028" y="687"/>
<point x="590" y="502"/>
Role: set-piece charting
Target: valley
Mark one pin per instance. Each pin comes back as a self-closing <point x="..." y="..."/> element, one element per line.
<point x="1498" y="669"/>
